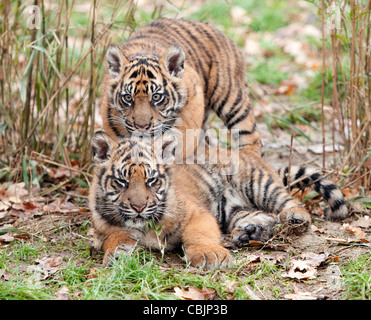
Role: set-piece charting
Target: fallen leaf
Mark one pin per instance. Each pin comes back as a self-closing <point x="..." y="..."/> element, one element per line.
<point x="255" y="243"/>
<point x="287" y="87"/>
<point x="354" y="230"/>
<point x="7" y="237"/>
<point x="252" y="258"/>
<point x="92" y="273"/>
<point x="301" y="270"/>
<point x="349" y="193"/>
<point x="3" y="207"/>
<point x="6" y="275"/>
<point x="306" y="268"/>
<point x="194" y="293"/>
<point x="230" y="286"/>
<point x="315" y="229"/>
<point x="363" y="222"/>
<point x="208" y="293"/>
<point x="314" y="259"/>
<point x="62" y="293"/>
<point x="49" y="264"/>
<point x="14" y="194"/>
<point x="300" y="296"/>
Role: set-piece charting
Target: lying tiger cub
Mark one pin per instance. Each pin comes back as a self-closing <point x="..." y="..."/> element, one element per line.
<point x="133" y="190"/>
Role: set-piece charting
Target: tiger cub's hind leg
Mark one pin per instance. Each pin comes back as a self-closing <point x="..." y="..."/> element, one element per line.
<point x="267" y="195"/>
<point x="259" y="226"/>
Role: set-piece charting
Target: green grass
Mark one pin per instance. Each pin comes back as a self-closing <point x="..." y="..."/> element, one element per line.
<point x="265" y="16"/>
<point x="357" y="278"/>
<point x="267" y="72"/>
<point x="141" y="275"/>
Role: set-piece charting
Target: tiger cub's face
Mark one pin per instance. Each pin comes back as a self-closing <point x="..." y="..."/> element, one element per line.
<point x="147" y="91"/>
<point x="130" y="186"/>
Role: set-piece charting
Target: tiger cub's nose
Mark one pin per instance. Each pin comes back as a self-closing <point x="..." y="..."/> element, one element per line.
<point x="142" y="127"/>
<point x="138" y="208"/>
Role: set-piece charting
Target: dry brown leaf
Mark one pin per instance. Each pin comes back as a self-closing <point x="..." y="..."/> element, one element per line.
<point x="8" y="237"/>
<point x="349" y="193"/>
<point x="14" y="194"/>
<point x="49" y="264"/>
<point x="6" y="275"/>
<point x="92" y="273"/>
<point x="354" y="230"/>
<point x="300" y="296"/>
<point x="194" y="293"/>
<point x="256" y="243"/>
<point x="363" y="222"/>
<point x="307" y="267"/>
<point x="301" y="270"/>
<point x="62" y="293"/>
<point x="314" y="259"/>
<point x="315" y="229"/>
<point x="230" y="286"/>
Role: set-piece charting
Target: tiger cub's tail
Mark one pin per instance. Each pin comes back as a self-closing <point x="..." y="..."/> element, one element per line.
<point x="307" y="176"/>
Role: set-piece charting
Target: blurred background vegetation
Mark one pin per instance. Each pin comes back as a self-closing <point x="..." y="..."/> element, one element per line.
<point x="308" y="66"/>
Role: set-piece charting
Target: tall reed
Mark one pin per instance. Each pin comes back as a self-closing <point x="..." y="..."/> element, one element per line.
<point x="350" y="49"/>
<point x="50" y="74"/>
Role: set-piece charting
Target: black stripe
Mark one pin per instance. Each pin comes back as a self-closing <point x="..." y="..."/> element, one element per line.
<point x="226" y="97"/>
<point x="236" y="221"/>
<point x="324" y="191"/>
<point x="266" y="187"/>
<point x="300" y="173"/>
<point x="247" y="132"/>
<point x="272" y="197"/>
<point x="111" y="124"/>
<point x="240" y="118"/>
<point x="222" y="214"/>
<point x="282" y="205"/>
<point x="337" y="204"/>
<point x="285" y="177"/>
<point x="252" y="186"/>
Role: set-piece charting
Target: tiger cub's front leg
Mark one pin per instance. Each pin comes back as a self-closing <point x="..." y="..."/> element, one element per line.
<point x="117" y="243"/>
<point x="201" y="239"/>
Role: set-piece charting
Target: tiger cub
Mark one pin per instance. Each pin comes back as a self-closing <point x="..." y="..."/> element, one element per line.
<point x="131" y="195"/>
<point x="171" y="73"/>
<point x="238" y="194"/>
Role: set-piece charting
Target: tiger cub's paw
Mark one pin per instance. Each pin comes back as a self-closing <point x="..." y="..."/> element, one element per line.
<point x="297" y="218"/>
<point x="111" y="255"/>
<point x="209" y="257"/>
<point x="256" y="226"/>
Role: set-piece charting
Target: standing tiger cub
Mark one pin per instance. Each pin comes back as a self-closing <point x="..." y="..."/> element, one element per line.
<point x="133" y="189"/>
<point x="171" y="73"/>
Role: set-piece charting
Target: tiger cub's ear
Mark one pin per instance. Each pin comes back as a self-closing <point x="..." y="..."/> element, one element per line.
<point x="116" y="61"/>
<point x="102" y="145"/>
<point x="173" y="60"/>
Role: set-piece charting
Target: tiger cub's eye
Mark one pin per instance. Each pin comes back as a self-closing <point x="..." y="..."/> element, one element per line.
<point x="156" y="97"/>
<point x="127" y="98"/>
